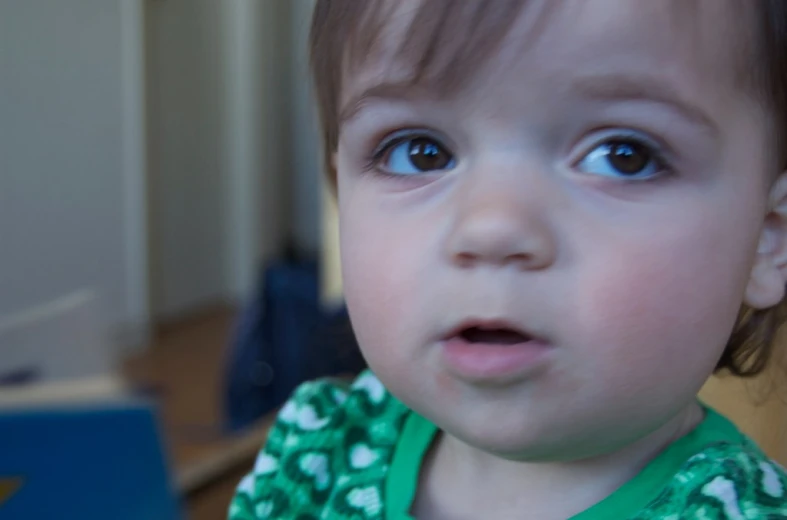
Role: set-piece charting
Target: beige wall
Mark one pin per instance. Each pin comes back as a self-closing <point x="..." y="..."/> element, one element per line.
<point x="188" y="192"/>
<point x="227" y="146"/>
<point x="72" y="157"/>
<point x="758" y="407"/>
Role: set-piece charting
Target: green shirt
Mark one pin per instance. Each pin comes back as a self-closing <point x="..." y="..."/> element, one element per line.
<point x="341" y="451"/>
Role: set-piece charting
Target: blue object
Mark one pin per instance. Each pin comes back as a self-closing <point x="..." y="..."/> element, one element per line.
<point x="284" y="338"/>
<point x="267" y="358"/>
<point x="89" y="461"/>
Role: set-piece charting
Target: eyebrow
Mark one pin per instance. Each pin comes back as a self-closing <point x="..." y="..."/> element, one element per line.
<point x="606" y="87"/>
<point x="617" y="87"/>
<point x="387" y="90"/>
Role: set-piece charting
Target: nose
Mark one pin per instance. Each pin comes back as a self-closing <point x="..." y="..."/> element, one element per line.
<point x="498" y="223"/>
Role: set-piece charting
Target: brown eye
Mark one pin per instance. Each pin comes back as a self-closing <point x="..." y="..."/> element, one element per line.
<point x="428" y="155"/>
<point x="417" y="155"/>
<point x="628" y="158"/>
<point x="623" y="159"/>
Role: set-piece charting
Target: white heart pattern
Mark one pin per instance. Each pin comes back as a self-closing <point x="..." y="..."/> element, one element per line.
<point x="373" y="387"/>
<point x="289" y="414"/>
<point x="308" y="419"/>
<point x="316" y="465"/>
<point x="362" y="457"/>
<point x="304" y="416"/>
<point x="771" y="483"/>
<point x="367" y="499"/>
<point x="264" y="509"/>
<point x="247" y="485"/>
<point x="265" y="464"/>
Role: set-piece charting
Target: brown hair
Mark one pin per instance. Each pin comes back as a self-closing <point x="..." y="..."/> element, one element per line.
<point x="345" y="32"/>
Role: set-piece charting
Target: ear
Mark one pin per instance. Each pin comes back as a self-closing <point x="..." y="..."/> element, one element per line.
<point x="766" y="286"/>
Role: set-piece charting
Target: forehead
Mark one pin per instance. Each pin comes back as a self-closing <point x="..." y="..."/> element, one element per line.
<point x="453" y="46"/>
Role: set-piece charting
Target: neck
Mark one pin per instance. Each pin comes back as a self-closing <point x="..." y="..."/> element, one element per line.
<point x="455" y="469"/>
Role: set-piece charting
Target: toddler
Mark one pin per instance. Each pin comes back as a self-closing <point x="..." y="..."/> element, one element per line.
<point x="557" y="219"/>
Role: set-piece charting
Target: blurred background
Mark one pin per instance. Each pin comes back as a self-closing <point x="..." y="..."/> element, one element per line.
<point x="165" y="233"/>
<point x="155" y="152"/>
<point x="157" y="159"/>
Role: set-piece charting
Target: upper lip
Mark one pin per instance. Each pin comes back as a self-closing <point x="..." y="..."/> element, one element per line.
<point x="488" y="324"/>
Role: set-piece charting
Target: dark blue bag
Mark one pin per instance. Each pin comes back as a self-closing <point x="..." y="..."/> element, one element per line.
<point x="283" y="339"/>
<point x="268" y="351"/>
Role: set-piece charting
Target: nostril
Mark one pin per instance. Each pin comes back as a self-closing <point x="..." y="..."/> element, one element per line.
<point x="500" y="234"/>
<point x="522" y="260"/>
<point x="525" y="261"/>
<point x="465" y="260"/>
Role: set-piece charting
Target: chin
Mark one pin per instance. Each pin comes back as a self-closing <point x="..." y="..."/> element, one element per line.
<point x="511" y="438"/>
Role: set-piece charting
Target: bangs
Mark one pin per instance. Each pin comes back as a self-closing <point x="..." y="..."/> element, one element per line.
<point x="443" y="42"/>
<point x="440" y="44"/>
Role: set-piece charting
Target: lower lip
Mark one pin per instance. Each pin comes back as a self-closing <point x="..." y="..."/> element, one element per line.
<point x="492" y="362"/>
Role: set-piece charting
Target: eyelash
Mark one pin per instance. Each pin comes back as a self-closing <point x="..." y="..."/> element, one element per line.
<point x="389" y="142"/>
<point x="659" y="152"/>
<point x="653" y="147"/>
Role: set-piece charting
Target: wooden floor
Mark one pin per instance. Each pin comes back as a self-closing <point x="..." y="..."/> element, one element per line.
<point x="211" y="503"/>
<point x="183" y="370"/>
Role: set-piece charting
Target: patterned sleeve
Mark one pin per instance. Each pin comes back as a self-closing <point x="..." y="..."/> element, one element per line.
<point x="724" y="482"/>
<point x="264" y="493"/>
<point x="244" y="504"/>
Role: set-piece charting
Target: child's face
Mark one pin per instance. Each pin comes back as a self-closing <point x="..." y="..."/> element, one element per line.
<point x="600" y="188"/>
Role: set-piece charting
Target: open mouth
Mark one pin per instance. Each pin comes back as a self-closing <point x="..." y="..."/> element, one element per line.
<point x="496" y="351"/>
<point x="493" y="336"/>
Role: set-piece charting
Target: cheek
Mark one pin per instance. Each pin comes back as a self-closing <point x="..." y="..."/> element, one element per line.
<point x="665" y="304"/>
<point x="381" y="274"/>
